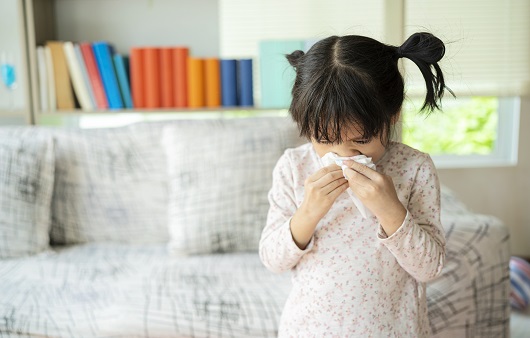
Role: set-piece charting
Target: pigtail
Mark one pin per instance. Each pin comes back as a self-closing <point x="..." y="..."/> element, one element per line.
<point x="294" y="57"/>
<point x="425" y="50"/>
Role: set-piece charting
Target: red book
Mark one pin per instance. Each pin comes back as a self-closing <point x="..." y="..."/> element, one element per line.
<point x="94" y="75"/>
<point x="151" y="73"/>
<point x="166" y="77"/>
<point x="180" y="76"/>
<point x="137" y="78"/>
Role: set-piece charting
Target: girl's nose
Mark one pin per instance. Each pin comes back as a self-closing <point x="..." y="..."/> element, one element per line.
<point x="347" y="152"/>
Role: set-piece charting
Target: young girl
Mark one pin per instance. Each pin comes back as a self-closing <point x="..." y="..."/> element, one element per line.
<point x="356" y="276"/>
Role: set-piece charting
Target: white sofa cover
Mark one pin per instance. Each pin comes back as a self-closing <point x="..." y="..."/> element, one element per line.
<point x="107" y="286"/>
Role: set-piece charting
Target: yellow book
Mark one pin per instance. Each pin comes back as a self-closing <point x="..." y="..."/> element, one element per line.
<point x="63" y="88"/>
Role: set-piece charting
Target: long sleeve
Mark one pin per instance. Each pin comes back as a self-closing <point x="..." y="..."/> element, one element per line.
<point x="419" y="244"/>
<point x="277" y="249"/>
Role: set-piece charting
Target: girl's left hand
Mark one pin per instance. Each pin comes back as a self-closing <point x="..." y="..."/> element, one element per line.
<point x="378" y="194"/>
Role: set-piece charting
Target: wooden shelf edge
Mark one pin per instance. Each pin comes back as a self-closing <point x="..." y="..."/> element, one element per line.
<point x="161" y="111"/>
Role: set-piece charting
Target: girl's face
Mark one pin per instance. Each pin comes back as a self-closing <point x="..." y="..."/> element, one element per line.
<point x="352" y="144"/>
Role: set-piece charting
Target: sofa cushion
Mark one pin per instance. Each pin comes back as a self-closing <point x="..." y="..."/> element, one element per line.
<point x="26" y="186"/>
<point x="110" y="185"/>
<point x="219" y="177"/>
<point x="123" y="290"/>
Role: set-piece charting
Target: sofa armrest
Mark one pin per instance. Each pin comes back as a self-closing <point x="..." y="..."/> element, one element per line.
<point x="479" y="243"/>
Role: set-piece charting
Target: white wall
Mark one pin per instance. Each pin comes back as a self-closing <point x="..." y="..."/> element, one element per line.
<point x="502" y="192"/>
<point x="11" y="44"/>
<point x="142" y="23"/>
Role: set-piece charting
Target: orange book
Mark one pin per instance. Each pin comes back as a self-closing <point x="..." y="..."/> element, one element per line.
<point x="137" y="77"/>
<point x="63" y="87"/>
<point x="195" y="82"/>
<point x="166" y="78"/>
<point x="151" y="73"/>
<point x="212" y="82"/>
<point x="180" y="76"/>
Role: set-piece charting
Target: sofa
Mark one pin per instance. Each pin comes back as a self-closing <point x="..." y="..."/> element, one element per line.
<point x="152" y="230"/>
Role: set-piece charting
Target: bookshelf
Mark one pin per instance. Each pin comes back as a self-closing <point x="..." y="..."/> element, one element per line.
<point x="145" y="23"/>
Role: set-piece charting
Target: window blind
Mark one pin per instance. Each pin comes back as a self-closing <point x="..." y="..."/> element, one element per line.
<point x="244" y="23"/>
<point x="487" y="44"/>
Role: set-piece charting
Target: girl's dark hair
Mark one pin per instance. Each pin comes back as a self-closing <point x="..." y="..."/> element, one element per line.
<point x="354" y="81"/>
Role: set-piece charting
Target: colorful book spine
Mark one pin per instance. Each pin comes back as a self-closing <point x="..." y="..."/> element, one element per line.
<point x="166" y="78"/>
<point x="245" y="87"/>
<point x="151" y="73"/>
<point x="196" y="97"/>
<point x="52" y="98"/>
<point x="137" y="77"/>
<point x="120" y="64"/>
<point x="229" y="82"/>
<point x="103" y="55"/>
<point x="63" y="89"/>
<point x="86" y="79"/>
<point x="94" y="75"/>
<point x="180" y="76"/>
<point x="212" y="79"/>
<point x="76" y="76"/>
<point x="43" y="79"/>
<point x="277" y="76"/>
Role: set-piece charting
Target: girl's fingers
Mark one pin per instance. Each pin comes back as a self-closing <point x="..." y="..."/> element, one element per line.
<point x="363" y="170"/>
<point x="322" y="172"/>
<point x="330" y="175"/>
<point x="333" y="194"/>
<point x="334" y="185"/>
<point x="356" y="177"/>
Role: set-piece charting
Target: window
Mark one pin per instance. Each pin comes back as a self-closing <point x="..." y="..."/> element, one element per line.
<point x="469" y="132"/>
<point x="486" y="64"/>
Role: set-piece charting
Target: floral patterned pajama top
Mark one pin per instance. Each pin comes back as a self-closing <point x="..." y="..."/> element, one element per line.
<point x="352" y="280"/>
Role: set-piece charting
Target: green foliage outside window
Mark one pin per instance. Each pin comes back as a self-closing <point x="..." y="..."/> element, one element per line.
<point x="464" y="127"/>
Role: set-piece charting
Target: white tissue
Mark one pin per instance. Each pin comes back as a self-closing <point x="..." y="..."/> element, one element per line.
<point x="331" y="158"/>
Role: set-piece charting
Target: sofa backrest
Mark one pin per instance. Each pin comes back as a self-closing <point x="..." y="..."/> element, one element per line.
<point x="112" y="185"/>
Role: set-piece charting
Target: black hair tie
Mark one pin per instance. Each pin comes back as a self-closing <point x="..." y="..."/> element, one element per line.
<point x="399" y="52"/>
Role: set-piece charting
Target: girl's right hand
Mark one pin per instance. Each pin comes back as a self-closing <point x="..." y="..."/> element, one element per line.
<point x="320" y="192"/>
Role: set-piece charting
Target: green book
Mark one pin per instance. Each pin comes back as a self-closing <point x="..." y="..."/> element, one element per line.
<point x="277" y="75"/>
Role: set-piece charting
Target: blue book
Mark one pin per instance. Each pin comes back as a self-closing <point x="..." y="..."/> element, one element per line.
<point x="277" y="75"/>
<point x="103" y="55"/>
<point x="244" y="83"/>
<point x="228" y="82"/>
<point x="121" y="64"/>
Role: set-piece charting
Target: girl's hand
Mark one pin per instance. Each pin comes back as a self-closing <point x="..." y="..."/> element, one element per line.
<point x="321" y="190"/>
<point x="378" y="194"/>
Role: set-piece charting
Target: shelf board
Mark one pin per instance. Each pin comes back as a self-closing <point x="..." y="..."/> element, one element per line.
<point x="98" y="119"/>
<point x="257" y="110"/>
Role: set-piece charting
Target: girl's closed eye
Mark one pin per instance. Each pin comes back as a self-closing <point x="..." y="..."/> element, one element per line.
<point x="364" y="141"/>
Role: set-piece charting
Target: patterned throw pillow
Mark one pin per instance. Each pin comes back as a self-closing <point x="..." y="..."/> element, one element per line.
<point x="520" y="283"/>
<point x="219" y="175"/>
<point x="26" y="187"/>
<point x="110" y="185"/>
